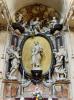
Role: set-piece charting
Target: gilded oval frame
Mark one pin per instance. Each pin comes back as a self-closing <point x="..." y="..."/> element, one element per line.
<point x="27" y="43"/>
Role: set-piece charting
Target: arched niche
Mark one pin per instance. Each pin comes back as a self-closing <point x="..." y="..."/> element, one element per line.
<point x="37" y="10"/>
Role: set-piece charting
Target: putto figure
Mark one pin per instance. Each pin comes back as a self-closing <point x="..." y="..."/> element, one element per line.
<point x="37" y="52"/>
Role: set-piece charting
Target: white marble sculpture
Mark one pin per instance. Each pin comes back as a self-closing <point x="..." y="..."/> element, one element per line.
<point x="14" y="63"/>
<point x="59" y="68"/>
<point x="61" y="72"/>
<point x="53" y="22"/>
<point x="11" y="51"/>
<point x="37" y="92"/>
<point x="58" y="57"/>
<point x="36" y="23"/>
<point x="36" y="55"/>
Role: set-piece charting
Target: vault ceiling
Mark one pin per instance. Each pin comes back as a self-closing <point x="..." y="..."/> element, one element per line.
<point x="15" y="5"/>
<point x="60" y="6"/>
